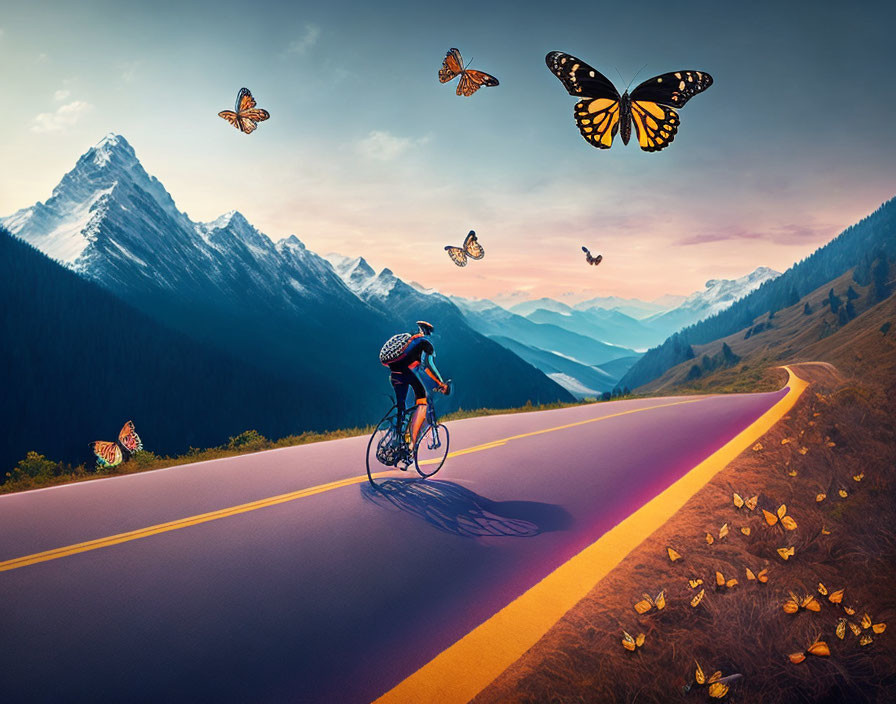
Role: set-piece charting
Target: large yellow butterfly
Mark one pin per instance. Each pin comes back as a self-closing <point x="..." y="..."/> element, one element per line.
<point x="471" y="249"/>
<point x="111" y="454"/>
<point x="470" y="80"/>
<point x="602" y="111"/>
<point x="245" y="115"/>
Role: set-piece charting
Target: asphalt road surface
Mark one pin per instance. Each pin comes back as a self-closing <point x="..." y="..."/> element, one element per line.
<point x="334" y="594"/>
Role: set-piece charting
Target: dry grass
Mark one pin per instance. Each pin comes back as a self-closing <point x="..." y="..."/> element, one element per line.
<point x="744" y="629"/>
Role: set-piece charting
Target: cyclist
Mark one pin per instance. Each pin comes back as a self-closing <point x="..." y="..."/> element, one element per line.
<point x="416" y="358"/>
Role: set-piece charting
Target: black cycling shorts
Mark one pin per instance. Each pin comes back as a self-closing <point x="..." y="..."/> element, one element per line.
<point x="403" y="378"/>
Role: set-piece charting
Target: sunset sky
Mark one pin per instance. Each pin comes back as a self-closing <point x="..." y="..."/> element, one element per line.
<point x="366" y="153"/>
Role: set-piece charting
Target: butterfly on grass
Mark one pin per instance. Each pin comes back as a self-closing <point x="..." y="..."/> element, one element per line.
<point x="470" y="80"/>
<point x="593" y="261"/>
<point x="818" y="648"/>
<point x="717" y="686"/>
<point x="632" y="643"/>
<point x="471" y="248"/>
<point x="761" y="576"/>
<point x="245" y="115"/>
<point x="780" y="515"/>
<point x="795" y="603"/>
<point x="112" y="454"/>
<point x="740" y="502"/>
<point x="602" y="112"/>
<point x="647" y="603"/>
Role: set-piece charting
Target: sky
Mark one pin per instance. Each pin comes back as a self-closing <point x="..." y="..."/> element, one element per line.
<point x="366" y="153"/>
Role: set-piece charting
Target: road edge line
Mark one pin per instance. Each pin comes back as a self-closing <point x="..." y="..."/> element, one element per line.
<point x="471" y="664"/>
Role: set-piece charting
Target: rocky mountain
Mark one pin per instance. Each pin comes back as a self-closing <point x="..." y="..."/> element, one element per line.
<point x="278" y="306"/>
<point x="77" y="362"/>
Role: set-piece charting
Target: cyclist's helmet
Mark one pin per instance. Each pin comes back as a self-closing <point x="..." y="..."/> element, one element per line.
<point x="424" y="327"/>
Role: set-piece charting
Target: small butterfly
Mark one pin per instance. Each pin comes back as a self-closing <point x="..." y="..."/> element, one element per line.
<point x="818" y="648"/>
<point x="631" y="643"/>
<point x="761" y="577"/>
<point x="722" y="583"/>
<point x="111" y="454"/>
<point x="646" y="603"/>
<point x="593" y="261"/>
<point x="673" y="554"/>
<point x="471" y="249"/>
<point x="718" y="685"/>
<point x="740" y="502"/>
<point x="786" y="553"/>
<point x="245" y="115"/>
<point x="602" y="111"/>
<point x="697" y="599"/>
<point x="795" y="603"/>
<point x="780" y="515"/>
<point x="470" y="80"/>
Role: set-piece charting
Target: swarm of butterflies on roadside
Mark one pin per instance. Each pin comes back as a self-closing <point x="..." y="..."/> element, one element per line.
<point x="113" y="453"/>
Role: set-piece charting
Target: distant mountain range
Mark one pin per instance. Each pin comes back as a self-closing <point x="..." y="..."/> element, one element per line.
<point x="278" y="307"/>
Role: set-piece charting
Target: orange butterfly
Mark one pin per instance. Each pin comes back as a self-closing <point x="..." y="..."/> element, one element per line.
<point x="245" y="115"/>
<point x="111" y="454"/>
<point x="470" y="80"/>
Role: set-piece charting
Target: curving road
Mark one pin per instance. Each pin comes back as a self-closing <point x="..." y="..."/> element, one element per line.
<point x="194" y="584"/>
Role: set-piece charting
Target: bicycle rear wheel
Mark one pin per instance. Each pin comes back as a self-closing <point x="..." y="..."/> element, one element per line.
<point x="381" y="448"/>
<point x="431" y="450"/>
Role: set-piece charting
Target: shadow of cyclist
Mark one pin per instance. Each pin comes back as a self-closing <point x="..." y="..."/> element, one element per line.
<point x="457" y="510"/>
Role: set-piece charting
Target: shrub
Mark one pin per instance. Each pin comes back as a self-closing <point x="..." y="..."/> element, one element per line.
<point x="248" y="440"/>
<point x="34" y="466"/>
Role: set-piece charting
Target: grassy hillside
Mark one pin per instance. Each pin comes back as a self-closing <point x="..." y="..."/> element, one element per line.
<point x="807" y="331"/>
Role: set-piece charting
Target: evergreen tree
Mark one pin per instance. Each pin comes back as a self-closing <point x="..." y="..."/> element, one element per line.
<point x="833" y="301"/>
<point x="807" y="309"/>
<point x="880" y="276"/>
<point x="842" y="317"/>
<point x="851" y="294"/>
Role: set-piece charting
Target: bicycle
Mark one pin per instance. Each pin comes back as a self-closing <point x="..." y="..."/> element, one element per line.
<point x="388" y="446"/>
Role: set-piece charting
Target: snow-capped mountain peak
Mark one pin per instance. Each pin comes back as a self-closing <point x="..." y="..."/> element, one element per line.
<point x="721" y="293"/>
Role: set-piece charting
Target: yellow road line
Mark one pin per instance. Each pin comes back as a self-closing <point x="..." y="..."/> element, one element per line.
<point x="466" y="668"/>
<point x="271" y="501"/>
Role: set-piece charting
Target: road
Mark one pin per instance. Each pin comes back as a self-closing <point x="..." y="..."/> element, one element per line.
<point x="331" y="592"/>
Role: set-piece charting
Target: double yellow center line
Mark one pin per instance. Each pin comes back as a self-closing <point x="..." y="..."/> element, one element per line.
<point x="98" y="543"/>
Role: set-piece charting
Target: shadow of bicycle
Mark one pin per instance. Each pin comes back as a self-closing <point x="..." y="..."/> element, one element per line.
<point x="454" y="509"/>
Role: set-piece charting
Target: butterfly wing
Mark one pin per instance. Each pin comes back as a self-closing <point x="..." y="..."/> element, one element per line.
<point x="471" y="81"/>
<point x="655" y="124"/>
<point x="674" y="89"/>
<point x="244" y="100"/>
<point x="580" y="79"/>
<point x="597" y="117"/>
<point x="129" y="439"/>
<point x="653" y="104"/>
<point x="458" y="256"/>
<point x="452" y="66"/>
<point x="231" y="117"/>
<point x="108" y="454"/>
<point x="472" y="247"/>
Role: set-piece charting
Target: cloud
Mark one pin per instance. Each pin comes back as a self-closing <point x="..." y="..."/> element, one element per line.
<point x="383" y="146"/>
<point x="129" y="71"/>
<point x="787" y="234"/>
<point x="306" y="41"/>
<point x="61" y="94"/>
<point x="65" y="116"/>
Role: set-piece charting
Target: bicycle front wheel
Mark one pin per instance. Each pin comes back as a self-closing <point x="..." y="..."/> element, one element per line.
<point x="431" y="450"/>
